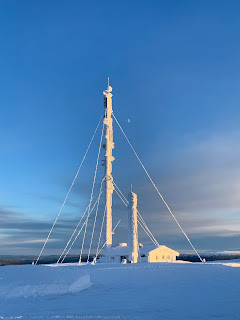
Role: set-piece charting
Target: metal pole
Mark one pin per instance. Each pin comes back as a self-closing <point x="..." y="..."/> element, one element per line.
<point x="108" y="146"/>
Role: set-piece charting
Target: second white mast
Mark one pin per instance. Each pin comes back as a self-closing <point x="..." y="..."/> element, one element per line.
<point x="108" y="146"/>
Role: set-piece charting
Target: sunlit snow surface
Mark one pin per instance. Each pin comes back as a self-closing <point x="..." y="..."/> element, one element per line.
<point x="142" y="291"/>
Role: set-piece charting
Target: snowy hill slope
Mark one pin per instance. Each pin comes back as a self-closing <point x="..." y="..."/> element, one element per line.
<point x="142" y="291"/>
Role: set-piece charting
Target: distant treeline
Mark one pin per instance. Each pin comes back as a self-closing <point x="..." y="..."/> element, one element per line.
<point x="19" y="260"/>
<point x="209" y="256"/>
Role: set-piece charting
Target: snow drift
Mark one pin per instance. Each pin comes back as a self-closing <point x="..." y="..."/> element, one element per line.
<point x="39" y="281"/>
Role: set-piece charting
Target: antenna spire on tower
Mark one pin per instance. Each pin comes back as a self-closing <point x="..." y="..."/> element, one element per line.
<point x="108" y="146"/>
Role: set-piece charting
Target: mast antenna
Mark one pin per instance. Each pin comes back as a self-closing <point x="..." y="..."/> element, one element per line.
<point x="108" y="146"/>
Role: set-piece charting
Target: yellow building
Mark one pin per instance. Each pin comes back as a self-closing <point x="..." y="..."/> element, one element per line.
<point x="157" y="254"/>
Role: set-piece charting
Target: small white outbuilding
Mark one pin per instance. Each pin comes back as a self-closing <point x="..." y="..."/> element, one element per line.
<point x="118" y="254"/>
<point x="157" y="254"/>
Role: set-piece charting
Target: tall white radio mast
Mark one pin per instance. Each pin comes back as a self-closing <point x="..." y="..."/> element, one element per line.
<point x="108" y="146"/>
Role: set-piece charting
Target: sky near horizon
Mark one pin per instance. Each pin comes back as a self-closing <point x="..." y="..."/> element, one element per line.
<point x="175" y="72"/>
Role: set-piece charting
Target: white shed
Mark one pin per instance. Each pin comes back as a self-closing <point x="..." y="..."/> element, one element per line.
<point x="157" y="254"/>
<point x="117" y="254"/>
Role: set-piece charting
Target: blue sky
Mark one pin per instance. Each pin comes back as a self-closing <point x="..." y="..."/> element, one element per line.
<point x="174" y="68"/>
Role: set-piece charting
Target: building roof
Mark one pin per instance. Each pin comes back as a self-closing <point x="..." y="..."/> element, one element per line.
<point x="124" y="250"/>
<point x="149" y="248"/>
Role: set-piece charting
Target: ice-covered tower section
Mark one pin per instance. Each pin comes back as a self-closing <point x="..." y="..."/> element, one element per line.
<point x="132" y="228"/>
<point x="108" y="146"/>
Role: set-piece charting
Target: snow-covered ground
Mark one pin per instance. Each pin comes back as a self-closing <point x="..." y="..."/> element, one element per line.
<point x="142" y="291"/>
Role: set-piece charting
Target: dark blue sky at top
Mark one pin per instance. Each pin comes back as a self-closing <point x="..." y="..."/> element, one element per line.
<point x="174" y="68"/>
